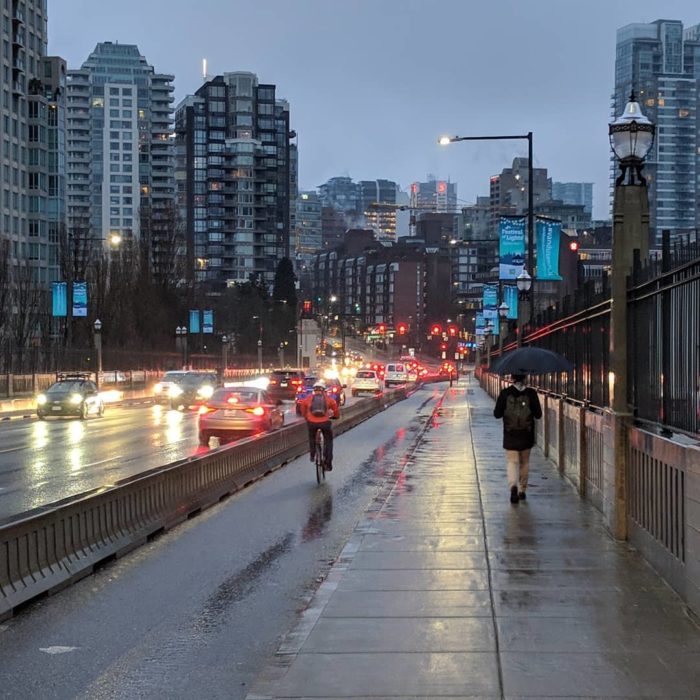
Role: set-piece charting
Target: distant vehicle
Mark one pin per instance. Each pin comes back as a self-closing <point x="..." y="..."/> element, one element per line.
<point x="447" y="369"/>
<point x="303" y="390"/>
<point x="336" y="390"/>
<point x="237" y="410"/>
<point x="192" y="389"/>
<point x="72" y="395"/>
<point x="366" y="381"/>
<point x="396" y="373"/>
<point x="284" y="383"/>
<point x="161" y="391"/>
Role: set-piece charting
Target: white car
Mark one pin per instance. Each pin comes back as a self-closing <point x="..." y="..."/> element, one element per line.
<point x="395" y="373"/>
<point x="366" y="380"/>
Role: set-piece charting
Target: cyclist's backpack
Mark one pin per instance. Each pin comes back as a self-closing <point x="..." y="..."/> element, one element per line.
<point x="318" y="405"/>
<point x="517" y="414"/>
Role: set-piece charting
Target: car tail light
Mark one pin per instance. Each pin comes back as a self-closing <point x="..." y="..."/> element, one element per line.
<point x="296" y="382"/>
<point x="257" y="411"/>
<point x="300" y="389"/>
<point x="273" y="381"/>
<point x="232" y="399"/>
<point x="205" y="409"/>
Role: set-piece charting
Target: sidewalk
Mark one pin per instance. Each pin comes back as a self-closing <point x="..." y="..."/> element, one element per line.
<point x="447" y="590"/>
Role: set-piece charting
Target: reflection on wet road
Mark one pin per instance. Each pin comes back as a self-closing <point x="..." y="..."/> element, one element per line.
<point x="45" y="461"/>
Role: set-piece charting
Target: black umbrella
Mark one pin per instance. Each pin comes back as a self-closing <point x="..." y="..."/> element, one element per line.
<point x="531" y="361"/>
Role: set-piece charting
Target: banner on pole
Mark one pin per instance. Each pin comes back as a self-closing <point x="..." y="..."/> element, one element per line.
<point x="194" y="321"/>
<point x="59" y="298"/>
<point x="510" y="297"/>
<point x="490" y="301"/>
<point x="207" y="321"/>
<point x="480" y="323"/>
<point x="511" y="246"/>
<point x="80" y="298"/>
<point x="548" y="234"/>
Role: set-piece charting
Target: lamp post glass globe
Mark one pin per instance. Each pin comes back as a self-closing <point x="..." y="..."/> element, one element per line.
<point x="631" y="134"/>
<point x="444" y="140"/>
<point x="503" y="310"/>
<point x="115" y="239"/>
<point x="97" y="325"/>
<point x="523" y="281"/>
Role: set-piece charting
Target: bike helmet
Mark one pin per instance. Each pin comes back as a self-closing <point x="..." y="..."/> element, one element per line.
<point x="319" y="385"/>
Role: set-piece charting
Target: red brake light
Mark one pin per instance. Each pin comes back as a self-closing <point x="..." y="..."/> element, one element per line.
<point x="273" y="381"/>
<point x="257" y="411"/>
<point x="232" y="399"/>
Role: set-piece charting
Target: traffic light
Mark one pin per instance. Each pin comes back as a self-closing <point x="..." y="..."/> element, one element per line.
<point x="443" y="346"/>
<point x="402" y="328"/>
<point x="436" y="329"/>
<point x="573" y="246"/>
<point x="452" y="331"/>
<point x="382" y="328"/>
<point x="306" y="309"/>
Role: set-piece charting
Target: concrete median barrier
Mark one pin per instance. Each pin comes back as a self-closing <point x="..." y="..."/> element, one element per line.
<point x="49" y="548"/>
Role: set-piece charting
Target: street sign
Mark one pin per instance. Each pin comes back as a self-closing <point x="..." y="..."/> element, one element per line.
<point x="412" y="352"/>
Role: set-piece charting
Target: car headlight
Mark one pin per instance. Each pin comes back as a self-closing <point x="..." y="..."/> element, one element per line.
<point x="41" y="399"/>
<point x="157" y="388"/>
<point x="175" y="391"/>
<point x="205" y="391"/>
<point x="76" y="399"/>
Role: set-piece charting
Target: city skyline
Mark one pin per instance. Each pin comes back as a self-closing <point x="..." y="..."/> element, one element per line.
<point x="321" y="54"/>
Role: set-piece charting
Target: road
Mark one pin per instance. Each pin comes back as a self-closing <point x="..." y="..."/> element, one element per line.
<point x="45" y="461"/>
<point x="199" y="612"/>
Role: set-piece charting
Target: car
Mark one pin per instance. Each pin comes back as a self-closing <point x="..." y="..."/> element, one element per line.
<point x="366" y="380"/>
<point x="396" y="373"/>
<point x="304" y="390"/>
<point x="192" y="389"/>
<point x="336" y="390"/>
<point x="378" y="367"/>
<point x="71" y="395"/>
<point x="161" y="390"/>
<point x="283" y="383"/>
<point x="447" y="369"/>
<point x="238" y="410"/>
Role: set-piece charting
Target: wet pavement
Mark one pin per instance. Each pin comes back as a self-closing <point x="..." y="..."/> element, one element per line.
<point x="445" y="589"/>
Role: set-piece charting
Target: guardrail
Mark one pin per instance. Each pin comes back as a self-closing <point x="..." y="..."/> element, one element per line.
<point x="51" y="547"/>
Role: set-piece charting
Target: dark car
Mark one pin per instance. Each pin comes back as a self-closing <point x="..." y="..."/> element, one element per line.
<point x="161" y="391"/>
<point x="192" y="389"/>
<point x="71" y="395"/>
<point x="336" y="390"/>
<point x="283" y="383"/>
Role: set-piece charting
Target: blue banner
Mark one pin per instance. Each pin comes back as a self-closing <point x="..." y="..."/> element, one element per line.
<point x="208" y="321"/>
<point x="59" y="298"/>
<point x="194" y="321"/>
<point x="511" y="236"/>
<point x="510" y="297"/>
<point x="490" y="301"/>
<point x="480" y="323"/>
<point x="547" y="241"/>
<point x="79" y="298"/>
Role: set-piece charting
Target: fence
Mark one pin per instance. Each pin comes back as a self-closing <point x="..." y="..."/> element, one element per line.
<point x="662" y="482"/>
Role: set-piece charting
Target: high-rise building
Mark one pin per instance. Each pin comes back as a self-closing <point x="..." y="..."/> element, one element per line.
<point x="661" y="63"/>
<point x="377" y="202"/>
<point x="434" y="195"/>
<point x="308" y="240"/>
<point x="341" y="194"/>
<point x="24" y="46"/>
<point x="234" y="174"/>
<point x="574" y="193"/>
<point x="120" y="152"/>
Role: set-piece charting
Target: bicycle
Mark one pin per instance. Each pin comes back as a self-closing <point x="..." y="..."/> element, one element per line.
<point x="320" y="456"/>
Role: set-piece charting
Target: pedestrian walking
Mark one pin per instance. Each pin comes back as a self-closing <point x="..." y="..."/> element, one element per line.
<point x="519" y="407"/>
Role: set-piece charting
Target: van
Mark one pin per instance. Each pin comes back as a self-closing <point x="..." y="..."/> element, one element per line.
<point x="395" y="373"/>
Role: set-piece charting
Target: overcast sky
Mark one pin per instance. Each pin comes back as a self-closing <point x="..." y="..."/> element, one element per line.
<point x="373" y="83"/>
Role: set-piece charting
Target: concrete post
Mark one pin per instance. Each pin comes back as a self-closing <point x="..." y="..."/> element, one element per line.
<point x="582" y="452"/>
<point x="630" y="232"/>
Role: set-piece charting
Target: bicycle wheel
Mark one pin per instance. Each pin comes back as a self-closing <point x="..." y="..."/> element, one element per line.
<point x="320" y="456"/>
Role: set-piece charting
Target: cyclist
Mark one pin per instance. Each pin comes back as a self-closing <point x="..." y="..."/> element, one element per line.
<point x="318" y="408"/>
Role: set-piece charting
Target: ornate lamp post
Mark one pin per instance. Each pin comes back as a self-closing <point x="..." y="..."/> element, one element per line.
<point x="98" y="348"/>
<point x="503" y="310"/>
<point x="523" y="283"/>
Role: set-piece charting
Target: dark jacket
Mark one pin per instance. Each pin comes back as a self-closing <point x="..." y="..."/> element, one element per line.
<point x="518" y="439"/>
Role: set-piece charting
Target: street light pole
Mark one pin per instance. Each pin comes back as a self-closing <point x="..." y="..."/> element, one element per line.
<point x="224" y="351"/>
<point x="98" y="348"/>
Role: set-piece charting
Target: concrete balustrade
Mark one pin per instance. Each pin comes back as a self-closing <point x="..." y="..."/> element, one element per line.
<point x="661" y="481"/>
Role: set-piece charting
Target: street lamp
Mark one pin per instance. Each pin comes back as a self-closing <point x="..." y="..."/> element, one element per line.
<point x="446" y="140"/>
<point x="224" y="351"/>
<point x="631" y="138"/>
<point x="98" y="348"/>
<point x="488" y="333"/>
<point x="503" y="310"/>
<point x="523" y="282"/>
<point x="181" y="343"/>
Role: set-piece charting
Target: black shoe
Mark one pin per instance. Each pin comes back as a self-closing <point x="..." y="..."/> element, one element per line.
<point x="329" y="467"/>
<point x="312" y="457"/>
<point x="522" y="496"/>
<point x="514" y="495"/>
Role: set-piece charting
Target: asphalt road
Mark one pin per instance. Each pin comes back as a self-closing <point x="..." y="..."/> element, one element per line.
<point x="199" y="612"/>
<point x="45" y="461"/>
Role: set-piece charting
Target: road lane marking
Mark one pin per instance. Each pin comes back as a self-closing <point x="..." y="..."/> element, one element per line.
<point x="57" y="649"/>
<point x="102" y="461"/>
<point x="11" y="449"/>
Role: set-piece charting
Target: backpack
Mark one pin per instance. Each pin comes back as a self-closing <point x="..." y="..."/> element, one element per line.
<point x="318" y="405"/>
<point x="517" y="415"/>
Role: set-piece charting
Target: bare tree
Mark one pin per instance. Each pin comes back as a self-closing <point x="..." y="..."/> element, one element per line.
<point x="5" y="290"/>
<point x="28" y="300"/>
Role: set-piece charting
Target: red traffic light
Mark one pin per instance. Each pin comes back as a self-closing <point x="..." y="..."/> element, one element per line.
<point x="452" y="331"/>
<point x="381" y="328"/>
<point x="573" y="246"/>
<point x="306" y="308"/>
<point x="436" y="329"/>
<point x="443" y="346"/>
<point x="402" y="328"/>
